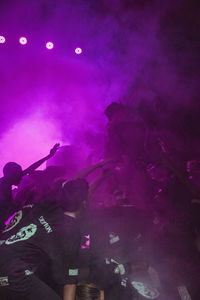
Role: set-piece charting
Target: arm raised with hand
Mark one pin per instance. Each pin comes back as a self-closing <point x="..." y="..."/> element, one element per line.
<point x="37" y="164"/>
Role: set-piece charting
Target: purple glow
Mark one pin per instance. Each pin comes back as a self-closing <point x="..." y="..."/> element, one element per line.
<point x="2" y="39"/>
<point x="35" y="130"/>
<point x="23" y="40"/>
<point x="49" y="45"/>
<point x="78" y="50"/>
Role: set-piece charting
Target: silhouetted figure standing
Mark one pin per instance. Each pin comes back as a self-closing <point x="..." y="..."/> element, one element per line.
<point x="13" y="174"/>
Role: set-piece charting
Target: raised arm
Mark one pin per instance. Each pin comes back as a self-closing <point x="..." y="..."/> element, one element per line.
<point x="87" y="171"/>
<point x="37" y="164"/>
<point x="93" y="187"/>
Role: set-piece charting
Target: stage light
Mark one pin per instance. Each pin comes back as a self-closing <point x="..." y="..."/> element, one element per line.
<point x="78" y="50"/>
<point x="2" y="39"/>
<point x="49" y="45"/>
<point x="23" y="40"/>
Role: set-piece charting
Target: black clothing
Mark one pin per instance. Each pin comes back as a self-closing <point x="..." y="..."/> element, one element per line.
<point x="5" y="201"/>
<point x="108" y="243"/>
<point x="33" y="289"/>
<point x="39" y="235"/>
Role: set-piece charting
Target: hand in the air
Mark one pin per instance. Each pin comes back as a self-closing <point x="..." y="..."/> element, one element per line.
<point x="54" y="149"/>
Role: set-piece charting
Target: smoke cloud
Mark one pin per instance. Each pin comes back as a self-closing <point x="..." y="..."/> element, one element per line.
<point x="133" y="51"/>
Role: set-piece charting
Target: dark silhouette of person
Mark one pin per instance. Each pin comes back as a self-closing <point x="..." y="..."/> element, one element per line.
<point x="39" y="253"/>
<point x="13" y="174"/>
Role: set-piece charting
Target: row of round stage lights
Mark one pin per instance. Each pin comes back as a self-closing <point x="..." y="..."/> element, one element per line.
<point x="49" y="45"/>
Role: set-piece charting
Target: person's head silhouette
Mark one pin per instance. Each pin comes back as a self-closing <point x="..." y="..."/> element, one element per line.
<point x="13" y="173"/>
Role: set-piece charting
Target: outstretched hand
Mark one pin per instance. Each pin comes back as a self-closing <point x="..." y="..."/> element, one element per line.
<point x="54" y="149"/>
<point x="38" y="163"/>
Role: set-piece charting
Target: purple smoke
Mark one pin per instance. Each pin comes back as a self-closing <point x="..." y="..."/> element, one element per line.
<point x="133" y="51"/>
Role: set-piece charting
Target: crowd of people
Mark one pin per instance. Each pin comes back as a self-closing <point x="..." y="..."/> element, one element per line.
<point x="125" y="228"/>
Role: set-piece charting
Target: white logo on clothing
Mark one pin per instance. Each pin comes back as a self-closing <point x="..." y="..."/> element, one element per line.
<point x="46" y="225"/>
<point x="13" y="221"/>
<point x="4" y="281"/>
<point x="28" y="272"/>
<point x="73" y="272"/>
<point x="183" y="292"/>
<point x="124" y="282"/>
<point x="23" y="234"/>
<point x="119" y="269"/>
<point x="28" y="206"/>
<point x="113" y="238"/>
<point x="145" y="290"/>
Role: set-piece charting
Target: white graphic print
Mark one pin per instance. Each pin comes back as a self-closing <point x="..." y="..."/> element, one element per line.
<point x="119" y="269"/>
<point x="14" y="220"/>
<point x="28" y="206"/>
<point x="45" y="224"/>
<point x="73" y="272"/>
<point x="113" y="238"/>
<point x="124" y="282"/>
<point x="4" y="281"/>
<point x="145" y="290"/>
<point x="183" y="292"/>
<point x="23" y="234"/>
<point x="28" y="272"/>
